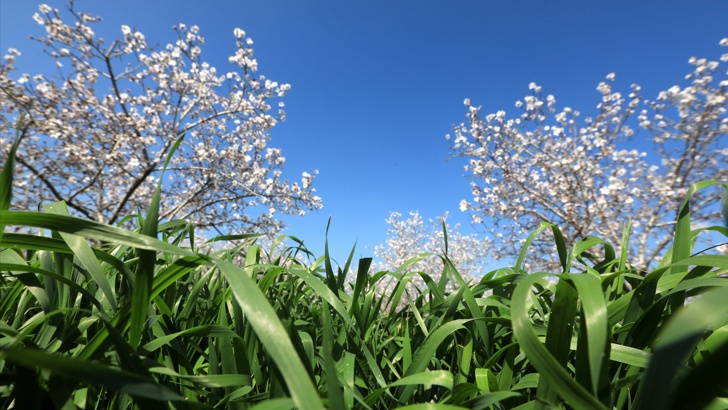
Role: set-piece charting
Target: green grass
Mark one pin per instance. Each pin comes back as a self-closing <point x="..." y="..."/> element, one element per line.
<point x="144" y="320"/>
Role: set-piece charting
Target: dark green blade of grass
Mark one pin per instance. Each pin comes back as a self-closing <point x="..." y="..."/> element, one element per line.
<point x="330" y="278"/>
<point x="11" y="267"/>
<point x="6" y="176"/>
<point x="472" y="305"/>
<point x="50" y="246"/>
<point x="624" y="249"/>
<point x="275" y="404"/>
<point x="582" y="246"/>
<point x="197" y="331"/>
<point x="548" y="367"/>
<point x="489" y="399"/>
<point x="178" y="269"/>
<point x="676" y="340"/>
<point x="682" y="244"/>
<point x="644" y="312"/>
<point x="560" y="246"/>
<point x="362" y="276"/>
<point x="22" y="271"/>
<point x="324" y="292"/>
<point x="83" y="252"/>
<point x="91" y="373"/>
<point x="334" y="391"/>
<point x="144" y="277"/>
<point x="703" y="383"/>
<point x="347" y="265"/>
<point x="426" y="352"/>
<point x="560" y="331"/>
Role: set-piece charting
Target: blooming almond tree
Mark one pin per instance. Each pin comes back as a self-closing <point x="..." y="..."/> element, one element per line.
<point x="96" y="134"/>
<point x="550" y="164"/>
<point x="411" y="237"/>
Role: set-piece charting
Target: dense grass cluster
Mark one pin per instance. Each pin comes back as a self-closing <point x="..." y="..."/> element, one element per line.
<point x="142" y="319"/>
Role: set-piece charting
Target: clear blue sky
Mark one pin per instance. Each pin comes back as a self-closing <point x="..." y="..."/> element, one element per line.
<point x="376" y="85"/>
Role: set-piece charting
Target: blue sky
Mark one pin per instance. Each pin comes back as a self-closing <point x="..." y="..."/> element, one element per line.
<point x="376" y="85"/>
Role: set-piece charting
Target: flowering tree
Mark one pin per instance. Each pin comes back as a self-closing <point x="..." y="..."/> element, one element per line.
<point x="550" y="164"/>
<point x="411" y="237"/>
<point x="96" y="134"/>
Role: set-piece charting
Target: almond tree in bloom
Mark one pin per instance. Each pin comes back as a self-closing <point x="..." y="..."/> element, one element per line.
<point x="96" y="133"/>
<point x="583" y="173"/>
<point x="410" y="237"/>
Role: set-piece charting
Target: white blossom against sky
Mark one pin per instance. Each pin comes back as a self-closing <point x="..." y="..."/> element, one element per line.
<point x="376" y="85"/>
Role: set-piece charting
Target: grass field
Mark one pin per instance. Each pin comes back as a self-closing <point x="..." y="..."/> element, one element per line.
<point x="144" y="319"/>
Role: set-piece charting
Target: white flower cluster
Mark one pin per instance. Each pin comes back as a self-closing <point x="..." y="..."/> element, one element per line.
<point x="410" y="237"/>
<point x="97" y="134"/>
<point x="580" y="173"/>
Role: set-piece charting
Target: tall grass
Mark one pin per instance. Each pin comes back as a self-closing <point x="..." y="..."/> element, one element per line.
<point x="145" y="320"/>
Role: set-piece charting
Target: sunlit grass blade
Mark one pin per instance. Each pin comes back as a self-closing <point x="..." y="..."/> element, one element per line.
<point x="275" y="404"/>
<point x="682" y="244"/>
<point x="432" y="377"/>
<point x="89" y="229"/>
<point x="272" y="335"/>
<point x="426" y="351"/>
<point x="594" y="318"/>
<point x="325" y="293"/>
<point x="82" y="250"/>
<point x="431" y="406"/>
<point x="524" y="249"/>
<point x="538" y="355"/>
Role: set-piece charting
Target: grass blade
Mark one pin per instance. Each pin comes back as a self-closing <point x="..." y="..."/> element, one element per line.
<point x="547" y="366"/>
<point x="272" y="335"/>
<point x="91" y="373"/>
<point x="675" y="341"/>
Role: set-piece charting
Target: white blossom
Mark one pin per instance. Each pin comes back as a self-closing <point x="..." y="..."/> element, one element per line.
<point x="550" y="165"/>
<point x="100" y="147"/>
<point x="411" y="237"/>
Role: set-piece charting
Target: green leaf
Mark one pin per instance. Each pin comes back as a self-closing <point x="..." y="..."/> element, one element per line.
<point x="426" y="352"/>
<point x="682" y="244"/>
<point x="6" y="176"/>
<point x="547" y="366"/>
<point x="560" y="331"/>
<point x="594" y="310"/>
<point x="675" y="341"/>
<point x="433" y="377"/>
<point x="144" y="278"/>
<point x="89" y="229"/>
<point x="82" y="250"/>
<point x="272" y="335"/>
<point x="91" y="373"/>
